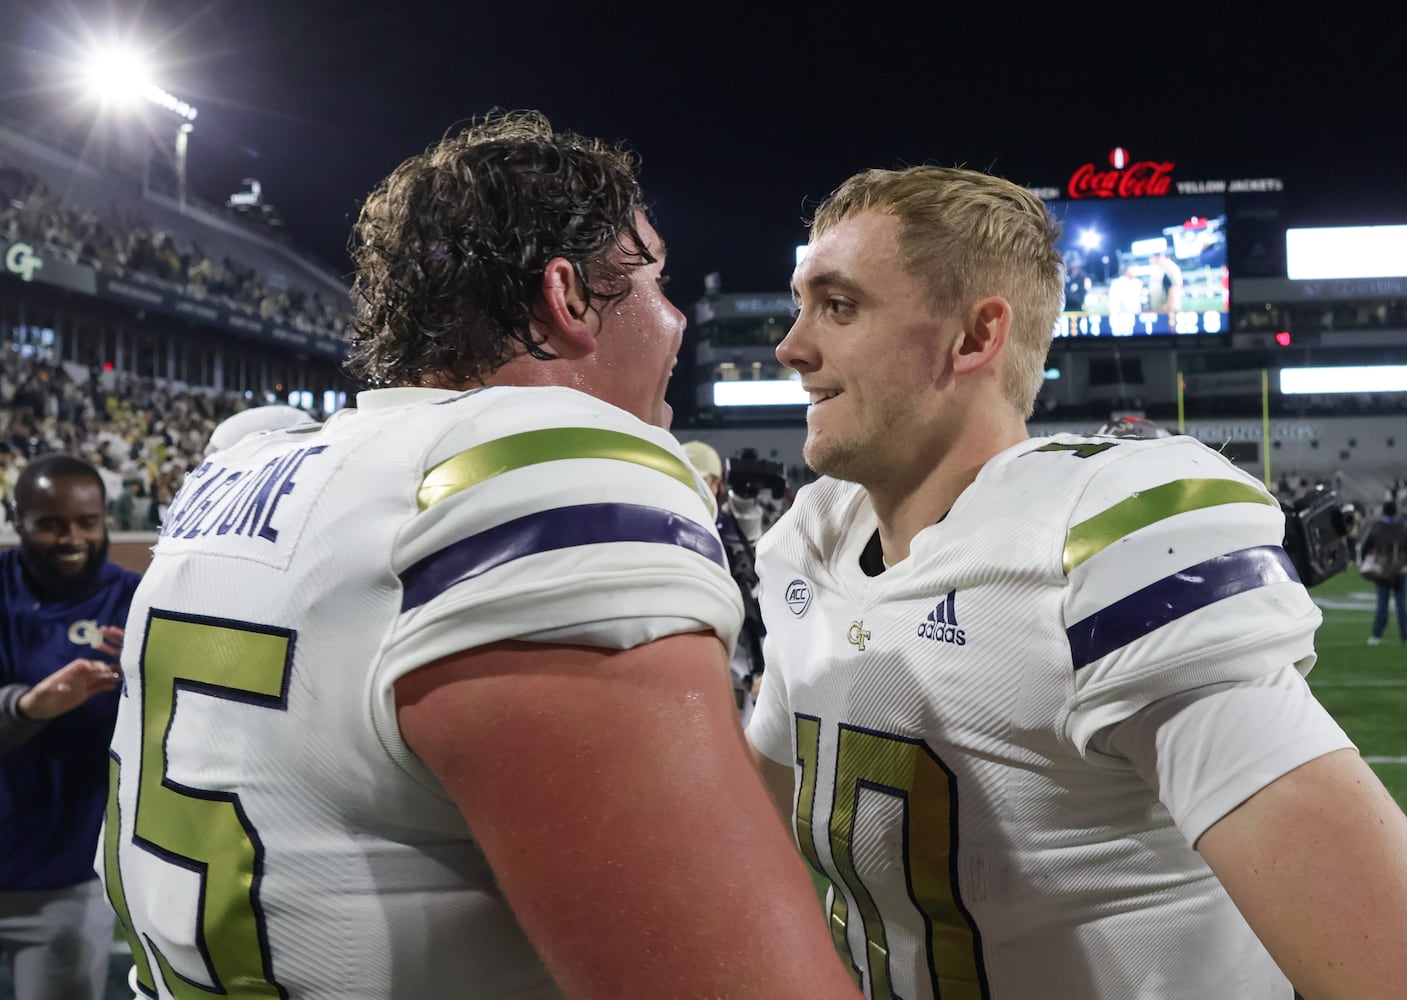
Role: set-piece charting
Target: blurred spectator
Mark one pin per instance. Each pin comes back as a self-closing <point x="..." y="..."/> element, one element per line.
<point x="129" y="509"/>
<point x="64" y="605"/>
<point x="751" y="494"/>
<point x="1383" y="559"/>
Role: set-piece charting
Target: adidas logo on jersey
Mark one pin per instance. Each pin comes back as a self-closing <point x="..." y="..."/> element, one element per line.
<point x="941" y="625"/>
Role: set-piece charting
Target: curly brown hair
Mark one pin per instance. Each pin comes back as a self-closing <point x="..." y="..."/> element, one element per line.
<point x="450" y="249"/>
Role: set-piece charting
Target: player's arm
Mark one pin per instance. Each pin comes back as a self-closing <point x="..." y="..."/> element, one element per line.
<point x="612" y="795"/>
<point x="24" y="709"/>
<point x="67" y="688"/>
<point x="778" y="779"/>
<point x="1317" y="863"/>
<point x="770" y="726"/>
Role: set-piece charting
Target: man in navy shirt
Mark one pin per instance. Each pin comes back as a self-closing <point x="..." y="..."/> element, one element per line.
<point x="62" y="605"/>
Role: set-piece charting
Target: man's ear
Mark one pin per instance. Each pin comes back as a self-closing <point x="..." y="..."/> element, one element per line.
<point x="561" y="314"/>
<point x="984" y="332"/>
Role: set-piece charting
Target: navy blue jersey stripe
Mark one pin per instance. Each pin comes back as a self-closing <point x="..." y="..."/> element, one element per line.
<point x="1173" y="596"/>
<point x="546" y="531"/>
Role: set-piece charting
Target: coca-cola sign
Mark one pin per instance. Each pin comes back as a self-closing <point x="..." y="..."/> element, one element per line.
<point x="1142" y="179"/>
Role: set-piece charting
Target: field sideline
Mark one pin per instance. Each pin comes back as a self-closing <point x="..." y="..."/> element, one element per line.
<point x="1364" y="687"/>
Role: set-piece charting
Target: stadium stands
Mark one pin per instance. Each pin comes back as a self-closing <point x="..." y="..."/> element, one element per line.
<point x="97" y="220"/>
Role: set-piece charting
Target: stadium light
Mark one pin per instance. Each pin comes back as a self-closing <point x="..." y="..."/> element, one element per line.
<point x="1346" y="252"/>
<point x="1348" y="378"/>
<point x="116" y="75"/>
<point x="119" y="76"/>
<point x="762" y="392"/>
<point x="1090" y="239"/>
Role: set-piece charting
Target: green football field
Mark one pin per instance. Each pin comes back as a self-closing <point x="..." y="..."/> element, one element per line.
<point x="1364" y="687"/>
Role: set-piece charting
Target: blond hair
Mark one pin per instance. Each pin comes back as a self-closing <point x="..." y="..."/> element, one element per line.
<point x="966" y="235"/>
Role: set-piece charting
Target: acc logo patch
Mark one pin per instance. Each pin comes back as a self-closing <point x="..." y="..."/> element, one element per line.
<point x="798" y="596"/>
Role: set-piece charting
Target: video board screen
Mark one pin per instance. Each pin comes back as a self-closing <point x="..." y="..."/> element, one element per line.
<point x="1144" y="267"/>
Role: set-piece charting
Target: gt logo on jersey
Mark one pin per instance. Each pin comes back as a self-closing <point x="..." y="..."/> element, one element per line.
<point x="798" y="596"/>
<point x="856" y="635"/>
<point x="941" y="625"/>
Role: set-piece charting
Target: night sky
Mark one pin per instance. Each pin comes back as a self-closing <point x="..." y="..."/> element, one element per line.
<point x="743" y="118"/>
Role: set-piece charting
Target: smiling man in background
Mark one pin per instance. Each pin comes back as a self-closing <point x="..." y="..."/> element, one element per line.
<point x="64" y="606"/>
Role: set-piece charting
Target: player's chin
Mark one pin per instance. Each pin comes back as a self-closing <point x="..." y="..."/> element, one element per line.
<point x="818" y="453"/>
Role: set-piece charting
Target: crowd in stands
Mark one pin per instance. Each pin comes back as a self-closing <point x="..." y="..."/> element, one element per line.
<point x="31" y="210"/>
<point x="141" y="435"/>
<point x="1314" y="317"/>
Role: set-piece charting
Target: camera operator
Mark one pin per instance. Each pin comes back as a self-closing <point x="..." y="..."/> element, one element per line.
<point x="751" y="494"/>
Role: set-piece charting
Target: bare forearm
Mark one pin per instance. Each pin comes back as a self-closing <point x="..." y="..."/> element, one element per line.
<point x="1317" y="862"/>
<point x="612" y="794"/>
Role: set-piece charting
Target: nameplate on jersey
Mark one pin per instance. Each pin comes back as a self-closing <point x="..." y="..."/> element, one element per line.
<point x="253" y="508"/>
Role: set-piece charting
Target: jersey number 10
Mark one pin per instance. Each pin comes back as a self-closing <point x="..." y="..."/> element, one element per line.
<point x="908" y="770"/>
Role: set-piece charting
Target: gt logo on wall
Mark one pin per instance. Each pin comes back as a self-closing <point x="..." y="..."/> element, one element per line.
<point x="22" y="260"/>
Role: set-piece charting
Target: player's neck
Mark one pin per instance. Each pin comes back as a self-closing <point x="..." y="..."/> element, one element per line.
<point x="904" y="508"/>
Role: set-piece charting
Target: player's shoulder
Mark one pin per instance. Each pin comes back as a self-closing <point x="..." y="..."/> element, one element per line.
<point x="821" y="516"/>
<point x="255" y="420"/>
<point x="1093" y="473"/>
<point x="539" y="421"/>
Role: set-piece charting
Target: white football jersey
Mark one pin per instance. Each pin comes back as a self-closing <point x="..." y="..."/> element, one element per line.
<point x="268" y="832"/>
<point x="940" y="716"/>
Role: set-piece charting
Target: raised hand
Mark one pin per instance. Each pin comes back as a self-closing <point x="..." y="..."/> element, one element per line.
<point x="69" y="687"/>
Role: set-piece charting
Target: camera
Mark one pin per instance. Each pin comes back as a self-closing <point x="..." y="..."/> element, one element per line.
<point x="748" y="476"/>
<point x="1316" y="536"/>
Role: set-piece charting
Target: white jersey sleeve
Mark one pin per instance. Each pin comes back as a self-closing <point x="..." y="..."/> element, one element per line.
<point x="553" y="518"/>
<point x="1177" y="578"/>
<point x="1209" y="749"/>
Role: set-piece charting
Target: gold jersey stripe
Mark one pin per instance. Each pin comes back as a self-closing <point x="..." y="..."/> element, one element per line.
<point x="516" y="451"/>
<point x="1150" y="506"/>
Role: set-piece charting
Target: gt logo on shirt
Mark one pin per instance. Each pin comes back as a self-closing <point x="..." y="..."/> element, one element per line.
<point x="856" y="635"/>
<point x="85" y="633"/>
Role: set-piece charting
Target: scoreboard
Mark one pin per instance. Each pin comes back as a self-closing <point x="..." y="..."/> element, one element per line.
<point x="1144" y="267"/>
